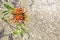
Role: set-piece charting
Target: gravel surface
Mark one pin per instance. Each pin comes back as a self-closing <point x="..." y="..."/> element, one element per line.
<point x="44" y="23"/>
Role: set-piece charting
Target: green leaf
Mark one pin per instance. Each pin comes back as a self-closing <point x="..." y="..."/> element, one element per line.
<point x="4" y="14"/>
<point x="5" y="11"/>
<point x="21" y="33"/>
<point x="21" y="26"/>
<point x="7" y="6"/>
<point x="4" y="19"/>
<point x="16" y="32"/>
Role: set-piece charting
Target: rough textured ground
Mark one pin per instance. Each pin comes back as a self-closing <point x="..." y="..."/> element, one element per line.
<point x="44" y="21"/>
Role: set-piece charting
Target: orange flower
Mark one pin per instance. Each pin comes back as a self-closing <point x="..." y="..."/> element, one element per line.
<point x="19" y="18"/>
<point x="19" y="10"/>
